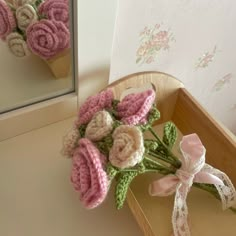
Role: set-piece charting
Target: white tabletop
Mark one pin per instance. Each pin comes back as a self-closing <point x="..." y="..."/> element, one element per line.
<point x="36" y="195"/>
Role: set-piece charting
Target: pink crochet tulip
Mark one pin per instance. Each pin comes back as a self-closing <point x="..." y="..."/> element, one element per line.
<point x="134" y="108"/>
<point x="94" y="104"/>
<point x="88" y="175"/>
<point x="47" y="38"/>
<point x="55" y="10"/>
<point x="7" y="20"/>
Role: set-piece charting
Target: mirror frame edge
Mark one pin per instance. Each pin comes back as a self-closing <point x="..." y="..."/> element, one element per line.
<point x="44" y="113"/>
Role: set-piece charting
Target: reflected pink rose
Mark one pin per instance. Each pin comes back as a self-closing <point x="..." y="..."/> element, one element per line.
<point x="7" y="20"/>
<point x="134" y="108"/>
<point x="88" y="176"/>
<point x="55" y="10"/>
<point x="47" y="38"/>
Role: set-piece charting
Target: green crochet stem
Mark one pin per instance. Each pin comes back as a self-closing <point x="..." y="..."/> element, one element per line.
<point x="169" y="153"/>
<point x="163" y="158"/>
<point x="126" y="176"/>
<point x="151" y="165"/>
<point x="211" y="189"/>
<point x="206" y="187"/>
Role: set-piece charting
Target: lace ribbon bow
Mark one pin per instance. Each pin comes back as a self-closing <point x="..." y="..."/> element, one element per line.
<point x="193" y="169"/>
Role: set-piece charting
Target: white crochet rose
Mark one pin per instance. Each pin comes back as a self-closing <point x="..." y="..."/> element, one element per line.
<point x="128" y="147"/>
<point x="25" y="15"/>
<point x="17" y="45"/>
<point x="100" y="126"/>
<point x="70" y="141"/>
<point x="19" y="3"/>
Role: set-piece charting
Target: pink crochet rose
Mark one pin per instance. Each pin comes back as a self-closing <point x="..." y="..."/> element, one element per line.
<point x="88" y="175"/>
<point x="55" y="10"/>
<point x="7" y="20"/>
<point x="47" y="38"/>
<point x="134" y="108"/>
<point x="94" y="104"/>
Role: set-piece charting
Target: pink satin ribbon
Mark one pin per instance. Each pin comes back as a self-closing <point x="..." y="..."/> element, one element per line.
<point x="193" y="169"/>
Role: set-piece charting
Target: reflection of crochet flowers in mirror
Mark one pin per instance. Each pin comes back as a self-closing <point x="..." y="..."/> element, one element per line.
<point x="108" y="144"/>
<point x="40" y="27"/>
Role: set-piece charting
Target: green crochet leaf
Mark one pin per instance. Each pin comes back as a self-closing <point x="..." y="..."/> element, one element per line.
<point x="122" y="188"/>
<point x="170" y="134"/>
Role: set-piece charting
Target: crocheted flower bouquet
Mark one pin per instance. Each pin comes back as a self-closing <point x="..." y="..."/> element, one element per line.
<point x="108" y="144"/>
<point x="40" y="27"/>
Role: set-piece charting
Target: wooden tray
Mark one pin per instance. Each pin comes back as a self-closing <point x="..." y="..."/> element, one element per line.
<point x="153" y="214"/>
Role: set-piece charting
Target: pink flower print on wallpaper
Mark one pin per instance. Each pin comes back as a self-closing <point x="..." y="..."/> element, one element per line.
<point x="222" y="82"/>
<point x="233" y="107"/>
<point x="206" y="59"/>
<point x="152" y="40"/>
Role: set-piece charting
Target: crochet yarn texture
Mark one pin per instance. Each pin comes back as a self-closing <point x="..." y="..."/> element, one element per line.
<point x="7" y="20"/>
<point x="25" y="16"/>
<point x="88" y="175"/>
<point x="55" y="10"/>
<point x="17" y="45"/>
<point x="94" y="104"/>
<point x="47" y="38"/>
<point x="128" y="147"/>
<point x="100" y="126"/>
<point x="133" y="109"/>
<point x="19" y="3"/>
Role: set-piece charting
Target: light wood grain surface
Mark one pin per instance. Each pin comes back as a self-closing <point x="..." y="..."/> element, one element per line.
<point x="176" y="104"/>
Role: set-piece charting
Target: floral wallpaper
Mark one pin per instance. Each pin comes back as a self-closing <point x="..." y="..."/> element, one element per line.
<point x="185" y="40"/>
<point x="206" y="59"/>
<point x="152" y="40"/>
<point x="220" y="84"/>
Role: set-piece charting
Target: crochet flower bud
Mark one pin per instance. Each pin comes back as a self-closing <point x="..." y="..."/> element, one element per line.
<point x="134" y="108"/>
<point x="128" y="147"/>
<point x="7" y="20"/>
<point x="17" y="45"/>
<point x="88" y="175"/>
<point x="100" y="126"/>
<point x="47" y="38"/>
<point x="25" y="16"/>
<point x="94" y="104"/>
<point x="70" y="141"/>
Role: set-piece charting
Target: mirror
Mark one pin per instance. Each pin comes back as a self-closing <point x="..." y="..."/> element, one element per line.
<point x="37" y="47"/>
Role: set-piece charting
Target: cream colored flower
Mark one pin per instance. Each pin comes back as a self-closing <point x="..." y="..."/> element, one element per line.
<point x="17" y="45"/>
<point x="128" y="148"/>
<point x="25" y="15"/>
<point x="19" y="3"/>
<point x="70" y="142"/>
<point x="100" y="126"/>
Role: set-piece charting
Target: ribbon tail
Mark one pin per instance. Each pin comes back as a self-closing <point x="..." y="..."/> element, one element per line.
<point x="207" y="178"/>
<point x="180" y="212"/>
<point x="227" y="191"/>
<point x="164" y="186"/>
